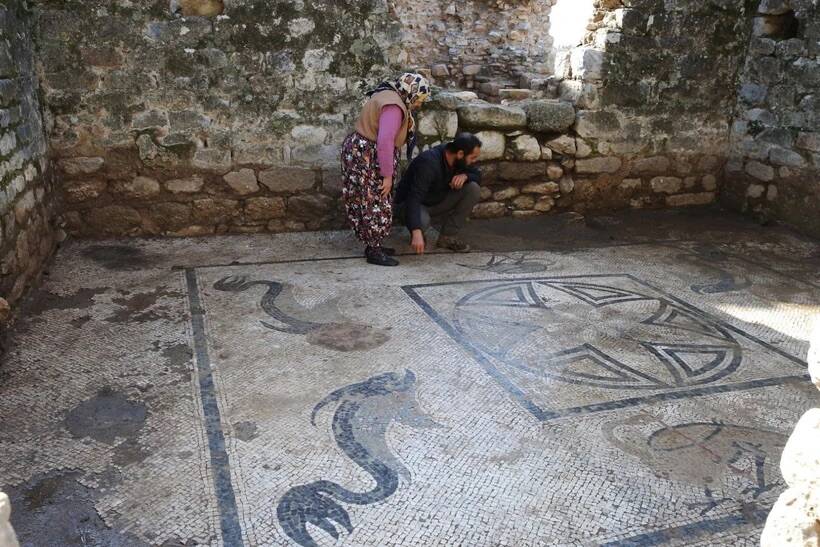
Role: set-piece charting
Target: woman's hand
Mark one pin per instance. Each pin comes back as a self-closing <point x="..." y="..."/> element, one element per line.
<point x="417" y="242"/>
<point x="387" y="185"/>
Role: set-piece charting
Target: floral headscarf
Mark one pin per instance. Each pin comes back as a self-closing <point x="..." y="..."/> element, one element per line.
<point x="410" y="87"/>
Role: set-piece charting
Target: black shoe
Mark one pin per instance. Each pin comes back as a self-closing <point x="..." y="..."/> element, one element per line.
<point x="377" y="256"/>
<point x="389" y="251"/>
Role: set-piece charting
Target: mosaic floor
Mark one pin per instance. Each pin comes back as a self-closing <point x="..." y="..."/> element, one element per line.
<point x="605" y="385"/>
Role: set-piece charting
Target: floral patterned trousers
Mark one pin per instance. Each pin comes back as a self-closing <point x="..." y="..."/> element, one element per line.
<point x="369" y="214"/>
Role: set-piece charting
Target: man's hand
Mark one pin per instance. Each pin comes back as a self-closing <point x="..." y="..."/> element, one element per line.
<point x="417" y="242"/>
<point x="387" y="185"/>
<point x="458" y="181"/>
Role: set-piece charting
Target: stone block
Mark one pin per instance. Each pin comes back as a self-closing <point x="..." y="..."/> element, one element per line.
<point x="324" y="156"/>
<point x="681" y="200"/>
<point x="548" y="116"/>
<point x="587" y="63"/>
<point x="566" y="185"/>
<point x="215" y="211"/>
<point x="564" y="145"/>
<point x="515" y="94"/>
<point x="243" y="182"/>
<point x="755" y="191"/>
<point x="598" y="165"/>
<point x="493" y="145"/>
<point x="709" y="182"/>
<point x="524" y="213"/>
<point x="288" y="179"/>
<point x="451" y="100"/>
<point x="544" y="204"/>
<point x="150" y="119"/>
<point x="488" y="116"/>
<point x="525" y="148"/>
<point x="170" y="215"/>
<point x="136" y="188"/>
<point x="773" y="7"/>
<point x="84" y="190"/>
<point x="80" y="165"/>
<point x="188" y="185"/>
<point x="666" y="185"/>
<point x="308" y="134"/>
<point x="440" y="71"/>
<point x="581" y="94"/>
<point x="598" y="124"/>
<point x="264" y="208"/>
<point x="760" y="171"/>
<point x="543" y="188"/>
<point x="506" y="193"/>
<point x="22" y="209"/>
<point x="785" y="157"/>
<point x="309" y="207"/>
<point x="213" y="159"/>
<point x="809" y="141"/>
<point x="655" y="165"/>
<point x="490" y="209"/>
<point x="554" y="171"/>
<point x="113" y="220"/>
<point x="441" y="124"/>
<point x="521" y="171"/>
<point x="523" y="202"/>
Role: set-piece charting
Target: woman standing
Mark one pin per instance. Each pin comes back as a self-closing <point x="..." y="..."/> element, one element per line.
<point x="370" y="159"/>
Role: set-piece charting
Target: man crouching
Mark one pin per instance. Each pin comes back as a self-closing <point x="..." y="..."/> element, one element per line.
<point x="441" y="185"/>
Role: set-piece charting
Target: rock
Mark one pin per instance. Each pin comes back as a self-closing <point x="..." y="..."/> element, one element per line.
<point x="630" y="184"/>
<point x="554" y="171"/>
<point x="760" y="171"/>
<point x="524" y="202"/>
<point x="771" y="193"/>
<point x="189" y="185"/>
<point x="682" y="200"/>
<point x="753" y="94"/>
<point x="666" y="185"/>
<point x="471" y="70"/>
<point x="308" y="134"/>
<point x="709" y="182"/>
<point x="544" y="204"/>
<point x="151" y="119"/>
<point x="708" y="163"/>
<point x="549" y="116"/>
<point x="490" y="209"/>
<point x="515" y="94"/>
<point x="309" y="207"/>
<point x="449" y="100"/>
<point x="564" y="145"/>
<point x="212" y="159"/>
<point x="789" y="158"/>
<point x="288" y="179"/>
<point x="794" y="518"/>
<point x="137" y="188"/>
<point x="242" y="182"/>
<point x="584" y="150"/>
<point x="201" y="8"/>
<point x="264" y="208"/>
<point x="656" y="165"/>
<point x="113" y="220"/>
<point x="755" y="190"/>
<point x="566" y="185"/>
<point x="506" y="193"/>
<point x="526" y="148"/>
<point x="541" y="188"/>
<point x="521" y="171"/>
<point x="486" y="193"/>
<point x="215" y="211"/>
<point x="79" y="191"/>
<point x="440" y="71"/>
<point x="477" y="116"/>
<point x="493" y="145"/>
<point x="525" y="213"/>
<point x="169" y="216"/>
<point x="809" y="141"/>
<point x="814" y="353"/>
<point x="441" y="124"/>
<point x="581" y="94"/>
<point x="598" y="165"/>
<point x="81" y="165"/>
<point x="597" y="124"/>
<point x="801" y="456"/>
<point x="7" y="536"/>
<point x="587" y="63"/>
<point x="773" y="7"/>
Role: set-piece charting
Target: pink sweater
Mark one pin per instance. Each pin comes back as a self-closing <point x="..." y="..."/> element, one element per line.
<point x="389" y="124"/>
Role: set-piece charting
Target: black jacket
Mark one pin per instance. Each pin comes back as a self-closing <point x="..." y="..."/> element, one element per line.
<point x="427" y="182"/>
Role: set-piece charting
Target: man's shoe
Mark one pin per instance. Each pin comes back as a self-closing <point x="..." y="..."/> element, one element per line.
<point x="389" y="251"/>
<point x="453" y="244"/>
<point x="377" y="256"/>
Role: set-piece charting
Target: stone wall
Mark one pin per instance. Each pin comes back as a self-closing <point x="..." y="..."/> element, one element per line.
<point x="26" y="208"/>
<point x="774" y="170"/>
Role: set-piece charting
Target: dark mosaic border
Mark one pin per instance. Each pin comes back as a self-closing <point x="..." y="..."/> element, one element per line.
<point x="545" y="415"/>
<point x="220" y="463"/>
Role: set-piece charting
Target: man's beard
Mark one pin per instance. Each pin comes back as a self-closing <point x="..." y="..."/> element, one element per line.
<point x="460" y="165"/>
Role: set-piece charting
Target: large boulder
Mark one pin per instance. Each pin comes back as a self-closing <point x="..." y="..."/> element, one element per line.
<point x="795" y="518"/>
<point x="492" y="116"/>
<point x="7" y="537"/>
<point x="549" y="116"/>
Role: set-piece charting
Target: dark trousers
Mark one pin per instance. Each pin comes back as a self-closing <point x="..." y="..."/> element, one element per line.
<point x="452" y="213"/>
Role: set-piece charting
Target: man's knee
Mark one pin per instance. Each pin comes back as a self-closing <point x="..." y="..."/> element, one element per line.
<point x="472" y="192"/>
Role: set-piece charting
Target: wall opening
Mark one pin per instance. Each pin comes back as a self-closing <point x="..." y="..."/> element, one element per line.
<point x="568" y="24"/>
